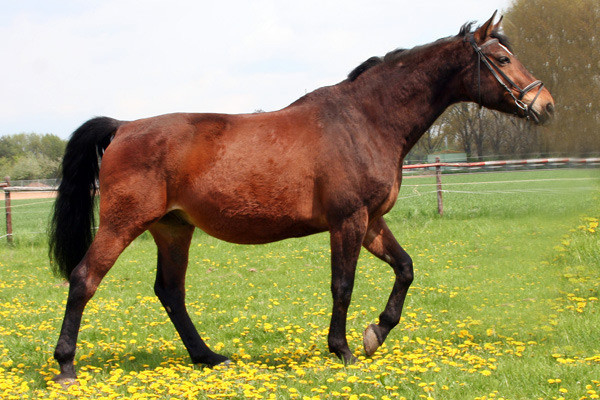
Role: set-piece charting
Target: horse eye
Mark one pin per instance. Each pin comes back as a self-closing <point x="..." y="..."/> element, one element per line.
<point x="504" y="60"/>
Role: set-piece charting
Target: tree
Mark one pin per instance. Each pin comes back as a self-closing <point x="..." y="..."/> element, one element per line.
<point x="560" y="42"/>
<point x="9" y="149"/>
<point x="30" y="155"/>
<point x="462" y="121"/>
<point x="432" y="140"/>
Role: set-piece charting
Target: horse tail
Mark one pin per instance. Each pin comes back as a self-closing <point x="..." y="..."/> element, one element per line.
<point x="72" y="224"/>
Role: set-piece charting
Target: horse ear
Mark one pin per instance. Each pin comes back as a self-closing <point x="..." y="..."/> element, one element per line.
<point x="498" y="27"/>
<point x="485" y="30"/>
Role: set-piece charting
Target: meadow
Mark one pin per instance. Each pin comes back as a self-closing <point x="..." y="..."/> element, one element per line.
<point x="504" y="305"/>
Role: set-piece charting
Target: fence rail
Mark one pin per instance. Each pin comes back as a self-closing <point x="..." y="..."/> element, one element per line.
<point x="593" y="161"/>
<point x="533" y="161"/>
<point x="437" y="166"/>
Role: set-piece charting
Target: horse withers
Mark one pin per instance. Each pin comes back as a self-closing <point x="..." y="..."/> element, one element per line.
<point x="331" y="161"/>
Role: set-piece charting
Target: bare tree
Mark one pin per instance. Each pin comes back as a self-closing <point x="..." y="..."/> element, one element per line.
<point x="462" y="121"/>
<point x="433" y="140"/>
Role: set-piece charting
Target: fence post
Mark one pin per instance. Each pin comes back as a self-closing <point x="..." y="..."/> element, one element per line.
<point x="438" y="179"/>
<point x="9" y="232"/>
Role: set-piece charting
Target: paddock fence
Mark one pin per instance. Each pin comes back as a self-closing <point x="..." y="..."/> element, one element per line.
<point x="44" y="191"/>
<point x="438" y="167"/>
<point x="35" y="187"/>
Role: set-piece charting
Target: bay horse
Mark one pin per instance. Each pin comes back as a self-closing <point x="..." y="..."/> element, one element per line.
<point x="330" y="161"/>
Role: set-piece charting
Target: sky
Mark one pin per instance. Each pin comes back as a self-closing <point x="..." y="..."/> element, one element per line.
<point x="66" y="61"/>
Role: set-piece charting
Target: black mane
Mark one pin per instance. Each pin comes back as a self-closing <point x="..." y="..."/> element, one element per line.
<point x="498" y="34"/>
<point x="371" y="62"/>
<point x="466" y="29"/>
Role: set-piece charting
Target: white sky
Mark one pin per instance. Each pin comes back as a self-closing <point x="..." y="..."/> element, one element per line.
<point x="64" y="62"/>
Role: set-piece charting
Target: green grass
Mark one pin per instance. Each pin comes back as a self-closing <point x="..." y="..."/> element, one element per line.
<point x="504" y="305"/>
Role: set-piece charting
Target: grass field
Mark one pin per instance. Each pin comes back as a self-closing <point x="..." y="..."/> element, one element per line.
<point x="504" y="305"/>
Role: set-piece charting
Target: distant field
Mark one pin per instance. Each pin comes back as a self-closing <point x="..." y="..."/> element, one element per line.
<point x="504" y="305"/>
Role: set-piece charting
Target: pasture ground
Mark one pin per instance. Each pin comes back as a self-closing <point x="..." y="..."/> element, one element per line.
<point x="504" y="305"/>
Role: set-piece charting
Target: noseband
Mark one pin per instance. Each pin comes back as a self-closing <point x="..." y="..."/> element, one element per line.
<point x="497" y="73"/>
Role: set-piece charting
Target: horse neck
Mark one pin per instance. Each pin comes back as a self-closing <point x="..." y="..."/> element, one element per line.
<point x="404" y="96"/>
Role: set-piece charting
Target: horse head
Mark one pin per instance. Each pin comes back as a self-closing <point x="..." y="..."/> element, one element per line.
<point x="498" y="80"/>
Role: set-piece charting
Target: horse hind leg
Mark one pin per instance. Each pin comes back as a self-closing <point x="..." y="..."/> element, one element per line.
<point x="173" y="236"/>
<point x="381" y="242"/>
<point x="83" y="282"/>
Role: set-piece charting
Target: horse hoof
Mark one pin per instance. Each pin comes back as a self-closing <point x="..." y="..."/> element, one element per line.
<point x="220" y="361"/>
<point x="65" y="381"/>
<point x="350" y="360"/>
<point x="224" y="364"/>
<point x="213" y="361"/>
<point x="370" y="340"/>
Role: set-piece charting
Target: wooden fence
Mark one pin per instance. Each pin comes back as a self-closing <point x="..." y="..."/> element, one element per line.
<point x="438" y="167"/>
<point x="8" y="189"/>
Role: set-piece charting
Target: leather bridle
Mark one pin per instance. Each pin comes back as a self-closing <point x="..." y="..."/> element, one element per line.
<point x="498" y="73"/>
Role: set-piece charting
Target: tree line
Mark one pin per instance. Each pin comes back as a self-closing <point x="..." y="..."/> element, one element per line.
<point x="31" y="156"/>
<point x="559" y="41"/>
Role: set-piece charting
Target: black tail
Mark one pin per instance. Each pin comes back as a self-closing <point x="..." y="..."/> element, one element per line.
<point x="71" y="228"/>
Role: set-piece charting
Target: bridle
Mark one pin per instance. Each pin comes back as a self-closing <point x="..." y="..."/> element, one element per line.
<point x="497" y="73"/>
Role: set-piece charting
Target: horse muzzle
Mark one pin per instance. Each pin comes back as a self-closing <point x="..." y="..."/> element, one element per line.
<point x="538" y="108"/>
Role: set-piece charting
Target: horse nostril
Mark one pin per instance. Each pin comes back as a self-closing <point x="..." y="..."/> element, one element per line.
<point x="550" y="108"/>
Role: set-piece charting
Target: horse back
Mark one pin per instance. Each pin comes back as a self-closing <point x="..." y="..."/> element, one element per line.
<point x="242" y="178"/>
<point x="248" y="178"/>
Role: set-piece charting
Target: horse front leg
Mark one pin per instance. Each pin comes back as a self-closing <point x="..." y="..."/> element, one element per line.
<point x="346" y="238"/>
<point x="380" y="241"/>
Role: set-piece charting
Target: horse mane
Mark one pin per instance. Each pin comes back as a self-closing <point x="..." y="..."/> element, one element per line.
<point x="498" y="34"/>
<point x="371" y="62"/>
<point x="465" y="29"/>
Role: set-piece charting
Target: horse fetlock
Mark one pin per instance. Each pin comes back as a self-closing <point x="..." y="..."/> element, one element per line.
<point x="342" y="352"/>
<point x="64" y="353"/>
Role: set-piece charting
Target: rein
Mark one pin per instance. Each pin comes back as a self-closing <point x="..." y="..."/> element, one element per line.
<point x="498" y="73"/>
